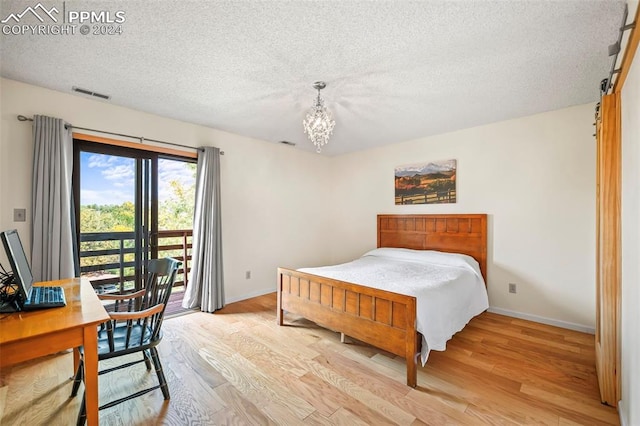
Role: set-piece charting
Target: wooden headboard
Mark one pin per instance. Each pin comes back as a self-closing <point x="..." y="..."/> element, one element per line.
<point x="458" y="233"/>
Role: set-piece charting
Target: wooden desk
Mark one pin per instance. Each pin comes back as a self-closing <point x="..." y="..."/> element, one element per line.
<point x="29" y="335"/>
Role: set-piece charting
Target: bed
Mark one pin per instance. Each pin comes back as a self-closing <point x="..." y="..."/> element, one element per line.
<point x="385" y="319"/>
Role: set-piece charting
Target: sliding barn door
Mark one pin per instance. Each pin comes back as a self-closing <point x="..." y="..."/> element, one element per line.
<point x="608" y="248"/>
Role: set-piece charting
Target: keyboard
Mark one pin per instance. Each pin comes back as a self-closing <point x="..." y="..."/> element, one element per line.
<point x="45" y="297"/>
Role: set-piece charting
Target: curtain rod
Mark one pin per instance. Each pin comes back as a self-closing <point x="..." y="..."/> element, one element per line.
<point x="140" y="138"/>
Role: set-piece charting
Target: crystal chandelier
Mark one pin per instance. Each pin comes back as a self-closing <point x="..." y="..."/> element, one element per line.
<point x="318" y="125"/>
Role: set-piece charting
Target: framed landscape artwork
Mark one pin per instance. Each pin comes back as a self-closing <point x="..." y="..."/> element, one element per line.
<point x="427" y="183"/>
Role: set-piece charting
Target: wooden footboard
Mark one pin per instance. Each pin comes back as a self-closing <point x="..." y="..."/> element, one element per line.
<point x="381" y="318"/>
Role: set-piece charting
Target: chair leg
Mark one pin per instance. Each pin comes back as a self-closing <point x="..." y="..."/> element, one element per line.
<point x="164" y="387"/>
<point x="82" y="414"/>
<point x="147" y="360"/>
<point x="79" y="377"/>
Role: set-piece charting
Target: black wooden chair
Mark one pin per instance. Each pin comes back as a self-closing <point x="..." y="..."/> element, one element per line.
<point x="135" y="326"/>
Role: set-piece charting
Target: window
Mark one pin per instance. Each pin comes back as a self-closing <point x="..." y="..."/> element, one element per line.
<point x="131" y="205"/>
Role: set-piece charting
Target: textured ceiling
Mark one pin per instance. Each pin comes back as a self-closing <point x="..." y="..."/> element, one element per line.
<point x="395" y="70"/>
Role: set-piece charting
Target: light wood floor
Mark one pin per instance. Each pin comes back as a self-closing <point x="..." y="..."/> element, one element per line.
<point x="239" y="367"/>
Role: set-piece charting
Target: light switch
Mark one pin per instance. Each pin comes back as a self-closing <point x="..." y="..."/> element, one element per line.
<point x="19" y="215"/>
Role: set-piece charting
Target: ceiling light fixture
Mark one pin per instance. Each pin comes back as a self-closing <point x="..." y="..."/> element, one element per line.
<point x="318" y="125"/>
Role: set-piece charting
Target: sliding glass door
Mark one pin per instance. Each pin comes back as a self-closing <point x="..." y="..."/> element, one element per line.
<point x="119" y="193"/>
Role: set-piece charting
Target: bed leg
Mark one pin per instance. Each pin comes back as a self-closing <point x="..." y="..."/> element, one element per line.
<point x="412" y="355"/>
<point x="412" y="371"/>
<point x="279" y="311"/>
<point x="342" y="338"/>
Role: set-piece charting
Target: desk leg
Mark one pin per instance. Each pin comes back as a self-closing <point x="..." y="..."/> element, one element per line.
<point x="91" y="374"/>
<point x="76" y="360"/>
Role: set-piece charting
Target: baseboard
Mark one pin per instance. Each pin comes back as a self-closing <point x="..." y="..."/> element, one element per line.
<point x="543" y="320"/>
<point x="256" y="293"/>
<point x="622" y="414"/>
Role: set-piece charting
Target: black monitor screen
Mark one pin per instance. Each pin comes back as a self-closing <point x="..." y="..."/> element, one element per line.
<point x="19" y="264"/>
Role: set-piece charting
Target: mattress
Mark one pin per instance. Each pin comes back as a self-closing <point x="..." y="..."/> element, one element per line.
<point x="448" y="287"/>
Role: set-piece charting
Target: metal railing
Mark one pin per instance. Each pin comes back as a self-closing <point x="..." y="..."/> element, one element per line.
<point x="108" y="259"/>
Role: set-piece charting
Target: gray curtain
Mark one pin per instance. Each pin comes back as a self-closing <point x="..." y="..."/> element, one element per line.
<point x="52" y="235"/>
<point x="206" y="287"/>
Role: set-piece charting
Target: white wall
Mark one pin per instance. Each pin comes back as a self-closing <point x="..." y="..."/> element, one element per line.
<point x="630" y="406"/>
<point x="270" y="193"/>
<point x="534" y="176"/>
<point x="283" y="207"/>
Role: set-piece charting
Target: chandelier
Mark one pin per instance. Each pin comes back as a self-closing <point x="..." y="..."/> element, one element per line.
<point x="318" y="125"/>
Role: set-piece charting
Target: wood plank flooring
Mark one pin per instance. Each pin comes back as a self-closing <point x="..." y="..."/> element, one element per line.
<point x="238" y="367"/>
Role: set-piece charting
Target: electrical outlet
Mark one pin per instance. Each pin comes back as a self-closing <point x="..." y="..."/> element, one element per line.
<point x="19" y="215"/>
<point x="512" y="288"/>
<point x="247" y="275"/>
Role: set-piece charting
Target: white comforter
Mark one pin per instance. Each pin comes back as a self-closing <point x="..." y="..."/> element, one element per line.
<point x="449" y="288"/>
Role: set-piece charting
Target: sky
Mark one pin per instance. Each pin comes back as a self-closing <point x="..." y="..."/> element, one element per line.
<point x="108" y="179"/>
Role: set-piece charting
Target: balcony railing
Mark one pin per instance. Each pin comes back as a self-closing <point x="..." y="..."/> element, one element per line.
<point x="108" y="258"/>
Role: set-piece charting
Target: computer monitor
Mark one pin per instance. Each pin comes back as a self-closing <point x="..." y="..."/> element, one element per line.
<point x="18" y="261"/>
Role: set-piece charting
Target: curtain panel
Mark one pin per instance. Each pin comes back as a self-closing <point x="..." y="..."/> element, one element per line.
<point x="52" y="233"/>
<point x="206" y="288"/>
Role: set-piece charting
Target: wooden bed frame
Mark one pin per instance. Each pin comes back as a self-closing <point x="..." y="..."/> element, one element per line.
<point x="382" y="318"/>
